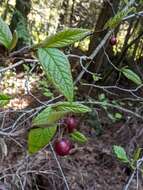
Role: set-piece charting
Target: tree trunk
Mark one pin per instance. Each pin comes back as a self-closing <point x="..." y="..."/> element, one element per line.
<point x="19" y="21"/>
<point x="106" y="13"/>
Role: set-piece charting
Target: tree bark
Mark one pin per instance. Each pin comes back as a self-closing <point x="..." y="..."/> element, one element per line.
<point x="19" y="21"/>
<point x="107" y="11"/>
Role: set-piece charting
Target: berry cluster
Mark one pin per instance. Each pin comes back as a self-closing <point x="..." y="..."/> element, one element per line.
<point x="63" y="146"/>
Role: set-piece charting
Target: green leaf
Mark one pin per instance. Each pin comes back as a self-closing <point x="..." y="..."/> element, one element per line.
<point x="54" y="116"/>
<point x="14" y="41"/>
<point x="118" y="115"/>
<point x="113" y="22"/>
<point x="78" y="137"/>
<point x="47" y="93"/>
<point x="40" y="137"/>
<point x="137" y="154"/>
<point x="47" y="117"/>
<point x="72" y="107"/>
<point x="96" y="77"/>
<point x="120" y="154"/>
<point x="42" y="117"/>
<point x="64" y="38"/>
<point x="131" y="76"/>
<point x="57" y="68"/>
<point x="5" y="34"/>
<point x="4" y="99"/>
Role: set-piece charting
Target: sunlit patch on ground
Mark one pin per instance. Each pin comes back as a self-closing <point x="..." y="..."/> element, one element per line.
<point x="15" y="86"/>
<point x="19" y="103"/>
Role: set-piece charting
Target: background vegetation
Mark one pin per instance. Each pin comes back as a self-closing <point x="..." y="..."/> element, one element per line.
<point x="104" y="50"/>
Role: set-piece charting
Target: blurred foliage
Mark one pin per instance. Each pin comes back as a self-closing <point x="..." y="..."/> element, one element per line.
<point x="22" y="30"/>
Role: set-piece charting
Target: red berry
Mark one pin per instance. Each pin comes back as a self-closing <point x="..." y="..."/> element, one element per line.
<point x="113" y="40"/>
<point x="63" y="147"/>
<point x="71" y="123"/>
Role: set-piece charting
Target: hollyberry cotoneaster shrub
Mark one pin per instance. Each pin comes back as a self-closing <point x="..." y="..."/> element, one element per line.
<point x="56" y="68"/>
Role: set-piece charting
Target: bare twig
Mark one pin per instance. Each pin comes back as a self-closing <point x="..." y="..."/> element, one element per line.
<point x="139" y="163"/>
<point x="139" y="14"/>
<point x="20" y="51"/>
<point x="18" y="64"/>
<point x="131" y="91"/>
<point x="114" y="106"/>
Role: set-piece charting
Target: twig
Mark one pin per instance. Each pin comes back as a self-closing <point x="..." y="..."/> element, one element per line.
<point x="139" y="162"/>
<point x="114" y="106"/>
<point x="20" y="51"/>
<point x="131" y="91"/>
<point x="139" y="14"/>
<point x="17" y="64"/>
<point x="103" y="42"/>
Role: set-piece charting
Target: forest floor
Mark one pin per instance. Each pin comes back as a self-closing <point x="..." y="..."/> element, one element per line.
<point x="92" y="166"/>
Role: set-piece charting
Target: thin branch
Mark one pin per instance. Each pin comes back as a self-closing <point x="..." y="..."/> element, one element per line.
<point x="139" y="14"/>
<point x="20" y="51"/>
<point x="139" y="162"/>
<point x="116" y="87"/>
<point x="18" y="64"/>
<point x="114" y="106"/>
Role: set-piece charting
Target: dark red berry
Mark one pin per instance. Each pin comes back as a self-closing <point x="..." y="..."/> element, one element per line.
<point x="71" y="123"/>
<point x="63" y="147"/>
<point x="113" y="40"/>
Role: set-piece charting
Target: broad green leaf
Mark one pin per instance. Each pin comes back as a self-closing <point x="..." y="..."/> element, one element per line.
<point x="131" y="75"/>
<point x="72" y="107"/>
<point x="4" y="99"/>
<point x="64" y="38"/>
<point x="40" y="137"/>
<point x="42" y="117"/>
<point x="14" y="41"/>
<point x="5" y="34"/>
<point x="78" y="137"/>
<point x="120" y="154"/>
<point x="48" y="116"/>
<point x="57" y="68"/>
<point x="54" y="116"/>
